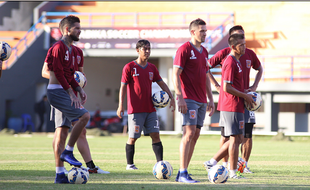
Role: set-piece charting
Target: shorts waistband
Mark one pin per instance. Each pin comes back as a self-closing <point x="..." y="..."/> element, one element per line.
<point x="54" y="86"/>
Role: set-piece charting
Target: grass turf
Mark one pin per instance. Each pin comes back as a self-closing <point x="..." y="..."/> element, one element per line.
<point x="27" y="162"/>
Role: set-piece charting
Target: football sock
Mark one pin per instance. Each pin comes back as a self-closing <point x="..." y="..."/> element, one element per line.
<point x="60" y="170"/>
<point x="183" y="170"/>
<point x="90" y="164"/>
<point x="246" y="164"/>
<point x="158" y="150"/>
<point x="232" y="172"/>
<point x="69" y="148"/>
<point x="130" y="151"/>
<point x="224" y="164"/>
<point x="213" y="161"/>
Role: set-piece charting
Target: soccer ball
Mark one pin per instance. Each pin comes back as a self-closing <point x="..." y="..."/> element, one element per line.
<point x="160" y="99"/>
<point x="218" y="174"/>
<point x="162" y="170"/>
<point x="78" y="175"/>
<point x="258" y="101"/>
<point x="80" y="78"/>
<point x="5" y="51"/>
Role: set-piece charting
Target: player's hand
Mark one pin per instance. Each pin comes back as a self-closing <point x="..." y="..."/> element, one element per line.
<point x="172" y="104"/>
<point x="251" y="89"/>
<point x="211" y="108"/>
<point x="182" y="106"/>
<point x="74" y="100"/>
<point x="249" y="100"/>
<point x="83" y="96"/>
<point x="120" y="111"/>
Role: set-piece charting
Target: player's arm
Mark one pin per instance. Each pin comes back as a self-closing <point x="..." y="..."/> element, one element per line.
<point x="1" y="68"/>
<point x="182" y="107"/>
<point x="227" y="87"/>
<point x="165" y="88"/>
<point x="258" y="76"/>
<point x="214" y="61"/>
<point x="213" y="81"/>
<point x="45" y="72"/>
<point x="210" y="97"/>
<point x="122" y="94"/>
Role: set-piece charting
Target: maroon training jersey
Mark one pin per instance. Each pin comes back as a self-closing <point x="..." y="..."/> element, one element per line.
<point x="248" y="60"/>
<point x="231" y="73"/>
<point x="194" y="69"/>
<point x="62" y="62"/>
<point x="139" y="86"/>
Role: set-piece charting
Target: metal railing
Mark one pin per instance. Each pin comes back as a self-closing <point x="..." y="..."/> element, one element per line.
<point x="23" y="44"/>
<point x="219" y="21"/>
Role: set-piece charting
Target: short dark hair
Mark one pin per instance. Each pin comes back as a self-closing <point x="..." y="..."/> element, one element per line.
<point x="196" y="22"/>
<point x="234" y="28"/>
<point x="142" y="43"/>
<point x="68" y="21"/>
<point x="233" y="39"/>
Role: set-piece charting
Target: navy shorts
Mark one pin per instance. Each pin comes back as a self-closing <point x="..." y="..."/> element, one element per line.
<point x="60" y="99"/>
<point x="195" y="114"/>
<point x="148" y="122"/>
<point x="233" y="123"/>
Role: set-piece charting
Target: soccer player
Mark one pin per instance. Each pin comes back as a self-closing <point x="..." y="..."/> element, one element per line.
<point x="137" y="79"/>
<point x="248" y="60"/>
<point x="192" y="87"/>
<point x="231" y="104"/>
<point x="62" y="124"/>
<point x="60" y="91"/>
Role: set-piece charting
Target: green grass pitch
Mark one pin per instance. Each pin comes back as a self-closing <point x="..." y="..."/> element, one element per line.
<point x="27" y="162"/>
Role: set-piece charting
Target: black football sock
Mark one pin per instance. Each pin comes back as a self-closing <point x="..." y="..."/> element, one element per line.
<point x="130" y="151"/>
<point x="90" y="164"/>
<point x="158" y="150"/>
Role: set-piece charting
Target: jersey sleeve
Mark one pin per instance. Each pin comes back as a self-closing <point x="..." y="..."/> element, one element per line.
<point x="157" y="77"/>
<point x="255" y="61"/>
<point x="126" y="76"/>
<point x="180" y="57"/>
<point x="80" y="62"/>
<point x="228" y="71"/>
<point x="218" y="57"/>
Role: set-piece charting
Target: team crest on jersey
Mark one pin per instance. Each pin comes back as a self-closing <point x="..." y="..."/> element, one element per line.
<point x="193" y="55"/>
<point x="67" y="56"/>
<point x="248" y="63"/>
<point x="241" y="124"/>
<point x="192" y="114"/>
<point x="137" y="128"/>
<point x="78" y="59"/>
<point x="151" y="75"/>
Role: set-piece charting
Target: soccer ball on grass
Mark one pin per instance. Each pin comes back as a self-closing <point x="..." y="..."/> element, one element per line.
<point x="78" y="175"/>
<point x="162" y="170"/>
<point x="218" y="174"/>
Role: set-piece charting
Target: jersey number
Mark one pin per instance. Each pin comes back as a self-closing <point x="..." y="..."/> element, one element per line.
<point x="135" y="73"/>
